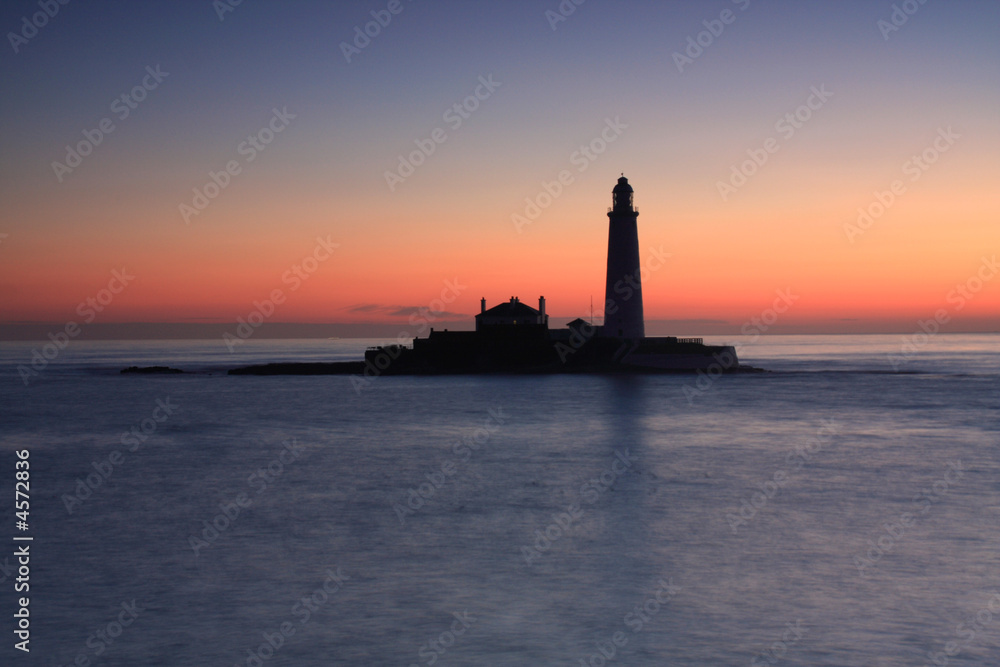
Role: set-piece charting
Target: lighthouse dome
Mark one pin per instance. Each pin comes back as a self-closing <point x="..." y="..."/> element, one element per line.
<point x="622" y="186"/>
<point x="621" y="196"/>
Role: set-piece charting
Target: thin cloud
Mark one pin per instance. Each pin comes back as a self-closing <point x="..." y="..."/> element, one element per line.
<point x="400" y="311"/>
<point x="404" y="311"/>
<point x="367" y="308"/>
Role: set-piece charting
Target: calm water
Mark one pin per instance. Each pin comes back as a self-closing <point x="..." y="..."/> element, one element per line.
<point x="832" y="512"/>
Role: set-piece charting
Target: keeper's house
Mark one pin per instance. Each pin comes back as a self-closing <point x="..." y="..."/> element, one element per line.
<point x="512" y="313"/>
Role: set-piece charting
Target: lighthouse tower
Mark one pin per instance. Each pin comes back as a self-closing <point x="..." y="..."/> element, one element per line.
<point x="623" y="292"/>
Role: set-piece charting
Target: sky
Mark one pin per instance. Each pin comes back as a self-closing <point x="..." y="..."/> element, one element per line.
<point x="189" y="163"/>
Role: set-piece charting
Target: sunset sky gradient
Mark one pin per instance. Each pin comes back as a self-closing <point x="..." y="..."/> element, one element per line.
<point x="680" y="134"/>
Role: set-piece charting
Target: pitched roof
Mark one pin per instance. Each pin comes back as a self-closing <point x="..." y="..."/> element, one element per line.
<point x="508" y="309"/>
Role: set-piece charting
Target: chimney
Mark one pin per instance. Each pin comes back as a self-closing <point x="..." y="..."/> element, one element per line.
<point x="541" y="306"/>
<point x="482" y="305"/>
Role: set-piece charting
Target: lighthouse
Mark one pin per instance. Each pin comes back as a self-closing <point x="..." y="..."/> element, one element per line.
<point x="623" y="292"/>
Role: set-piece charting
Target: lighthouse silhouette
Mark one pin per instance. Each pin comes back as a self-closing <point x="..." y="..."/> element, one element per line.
<point x="623" y="293"/>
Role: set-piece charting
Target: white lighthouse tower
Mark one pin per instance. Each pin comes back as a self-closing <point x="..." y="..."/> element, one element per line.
<point x="623" y="292"/>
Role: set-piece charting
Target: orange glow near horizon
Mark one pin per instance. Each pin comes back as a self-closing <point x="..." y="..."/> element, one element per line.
<point x="726" y="262"/>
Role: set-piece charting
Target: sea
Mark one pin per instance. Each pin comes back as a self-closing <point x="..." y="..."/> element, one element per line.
<point x="840" y="507"/>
